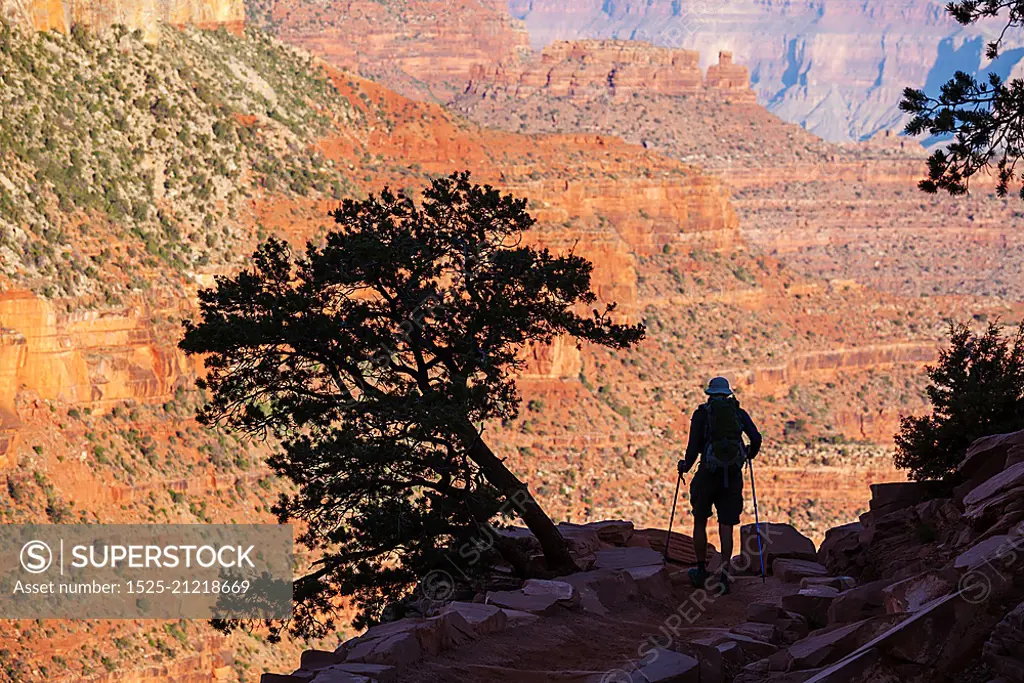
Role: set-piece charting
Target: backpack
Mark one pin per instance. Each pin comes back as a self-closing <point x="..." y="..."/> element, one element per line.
<point x="723" y="440"/>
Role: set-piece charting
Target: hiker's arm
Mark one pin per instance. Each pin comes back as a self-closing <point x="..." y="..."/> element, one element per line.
<point x="750" y="429"/>
<point x="696" y="442"/>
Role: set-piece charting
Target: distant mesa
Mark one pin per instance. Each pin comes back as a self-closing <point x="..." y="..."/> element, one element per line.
<point x="144" y="15"/>
<point x="585" y="69"/>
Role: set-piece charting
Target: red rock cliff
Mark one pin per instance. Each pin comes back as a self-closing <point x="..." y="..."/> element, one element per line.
<point x="145" y="15"/>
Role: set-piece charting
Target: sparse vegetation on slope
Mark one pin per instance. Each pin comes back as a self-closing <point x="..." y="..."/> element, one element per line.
<point x="124" y="164"/>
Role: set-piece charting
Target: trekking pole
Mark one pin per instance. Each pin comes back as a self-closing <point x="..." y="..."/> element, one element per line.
<point x="757" y="521"/>
<point x="675" y="497"/>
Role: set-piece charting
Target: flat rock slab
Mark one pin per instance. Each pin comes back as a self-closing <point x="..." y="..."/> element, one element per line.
<point x="379" y="673"/>
<point x="626" y="558"/>
<point x="544" y="604"/>
<point x="483" y="619"/>
<point x="985" y="552"/>
<point x="558" y="589"/>
<point x="777" y="540"/>
<point x="666" y="666"/>
<point x="820" y="649"/>
<point x="791" y="570"/>
<point x="811" y="603"/>
<point x="1010" y="478"/>
<point x="914" y="593"/>
<point x="753" y="647"/>
<point x="840" y="583"/>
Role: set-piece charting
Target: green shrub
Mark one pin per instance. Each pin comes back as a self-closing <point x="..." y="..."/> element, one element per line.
<point x="977" y="389"/>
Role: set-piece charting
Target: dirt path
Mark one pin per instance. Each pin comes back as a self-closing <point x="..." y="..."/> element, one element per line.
<point x="578" y="641"/>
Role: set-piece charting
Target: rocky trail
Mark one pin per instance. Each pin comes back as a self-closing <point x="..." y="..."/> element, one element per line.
<point x="576" y="646"/>
<point x="925" y="587"/>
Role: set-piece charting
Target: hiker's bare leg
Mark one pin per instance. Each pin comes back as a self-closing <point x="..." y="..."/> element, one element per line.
<point x="700" y="540"/>
<point x="725" y="538"/>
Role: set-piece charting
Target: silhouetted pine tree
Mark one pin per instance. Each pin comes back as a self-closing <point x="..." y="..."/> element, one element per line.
<point x="376" y="359"/>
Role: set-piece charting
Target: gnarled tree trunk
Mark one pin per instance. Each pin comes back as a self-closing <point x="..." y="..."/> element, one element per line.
<point x="556" y="550"/>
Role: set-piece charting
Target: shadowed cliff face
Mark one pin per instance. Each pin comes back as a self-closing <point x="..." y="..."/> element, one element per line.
<point x="144" y="15"/>
<point x="833" y="66"/>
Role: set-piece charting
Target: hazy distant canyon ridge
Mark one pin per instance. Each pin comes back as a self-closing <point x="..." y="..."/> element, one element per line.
<point x="836" y="67"/>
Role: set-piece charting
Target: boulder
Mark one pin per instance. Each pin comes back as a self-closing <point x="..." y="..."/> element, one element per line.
<point x="710" y="658"/>
<point x="616" y="532"/>
<point x="625" y="558"/>
<point x="995" y="493"/>
<point x="652" y="581"/>
<point x="840" y="583"/>
<point x="397" y="649"/>
<point x="891" y="496"/>
<point x="811" y="603"/>
<point x="638" y="541"/>
<point x="778" y="540"/>
<point x="680" y="546"/>
<point x="909" y="595"/>
<point x="943" y="634"/>
<point x="311" y="660"/>
<point x="357" y="673"/>
<point x="853" y="669"/>
<point x="483" y="619"/>
<point x="858" y="603"/>
<point x="827" y="646"/>
<point x="841" y="545"/>
<point x="1004" y="649"/>
<point x="789" y="570"/>
<point x="406" y="640"/>
<point x="987" y="568"/>
<point x="792" y="628"/>
<point x="759" y="631"/>
<point x="666" y="666"/>
<point x="765" y="612"/>
<point x="303" y="677"/>
<point x="603" y="589"/>
<point x="986" y="457"/>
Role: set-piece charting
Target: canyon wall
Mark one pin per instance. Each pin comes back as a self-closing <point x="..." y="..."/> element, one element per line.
<point x="835" y="67"/>
<point x="420" y="48"/>
<point x="144" y="15"/>
<point x="592" y="69"/>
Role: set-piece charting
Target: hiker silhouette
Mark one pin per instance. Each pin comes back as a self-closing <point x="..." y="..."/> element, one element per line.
<point x="716" y="439"/>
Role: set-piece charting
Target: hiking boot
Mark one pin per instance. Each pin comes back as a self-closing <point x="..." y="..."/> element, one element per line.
<point x="698" y="576"/>
<point x="725" y="589"/>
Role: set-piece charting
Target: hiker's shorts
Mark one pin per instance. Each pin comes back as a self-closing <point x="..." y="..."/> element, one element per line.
<point x="707" y="489"/>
